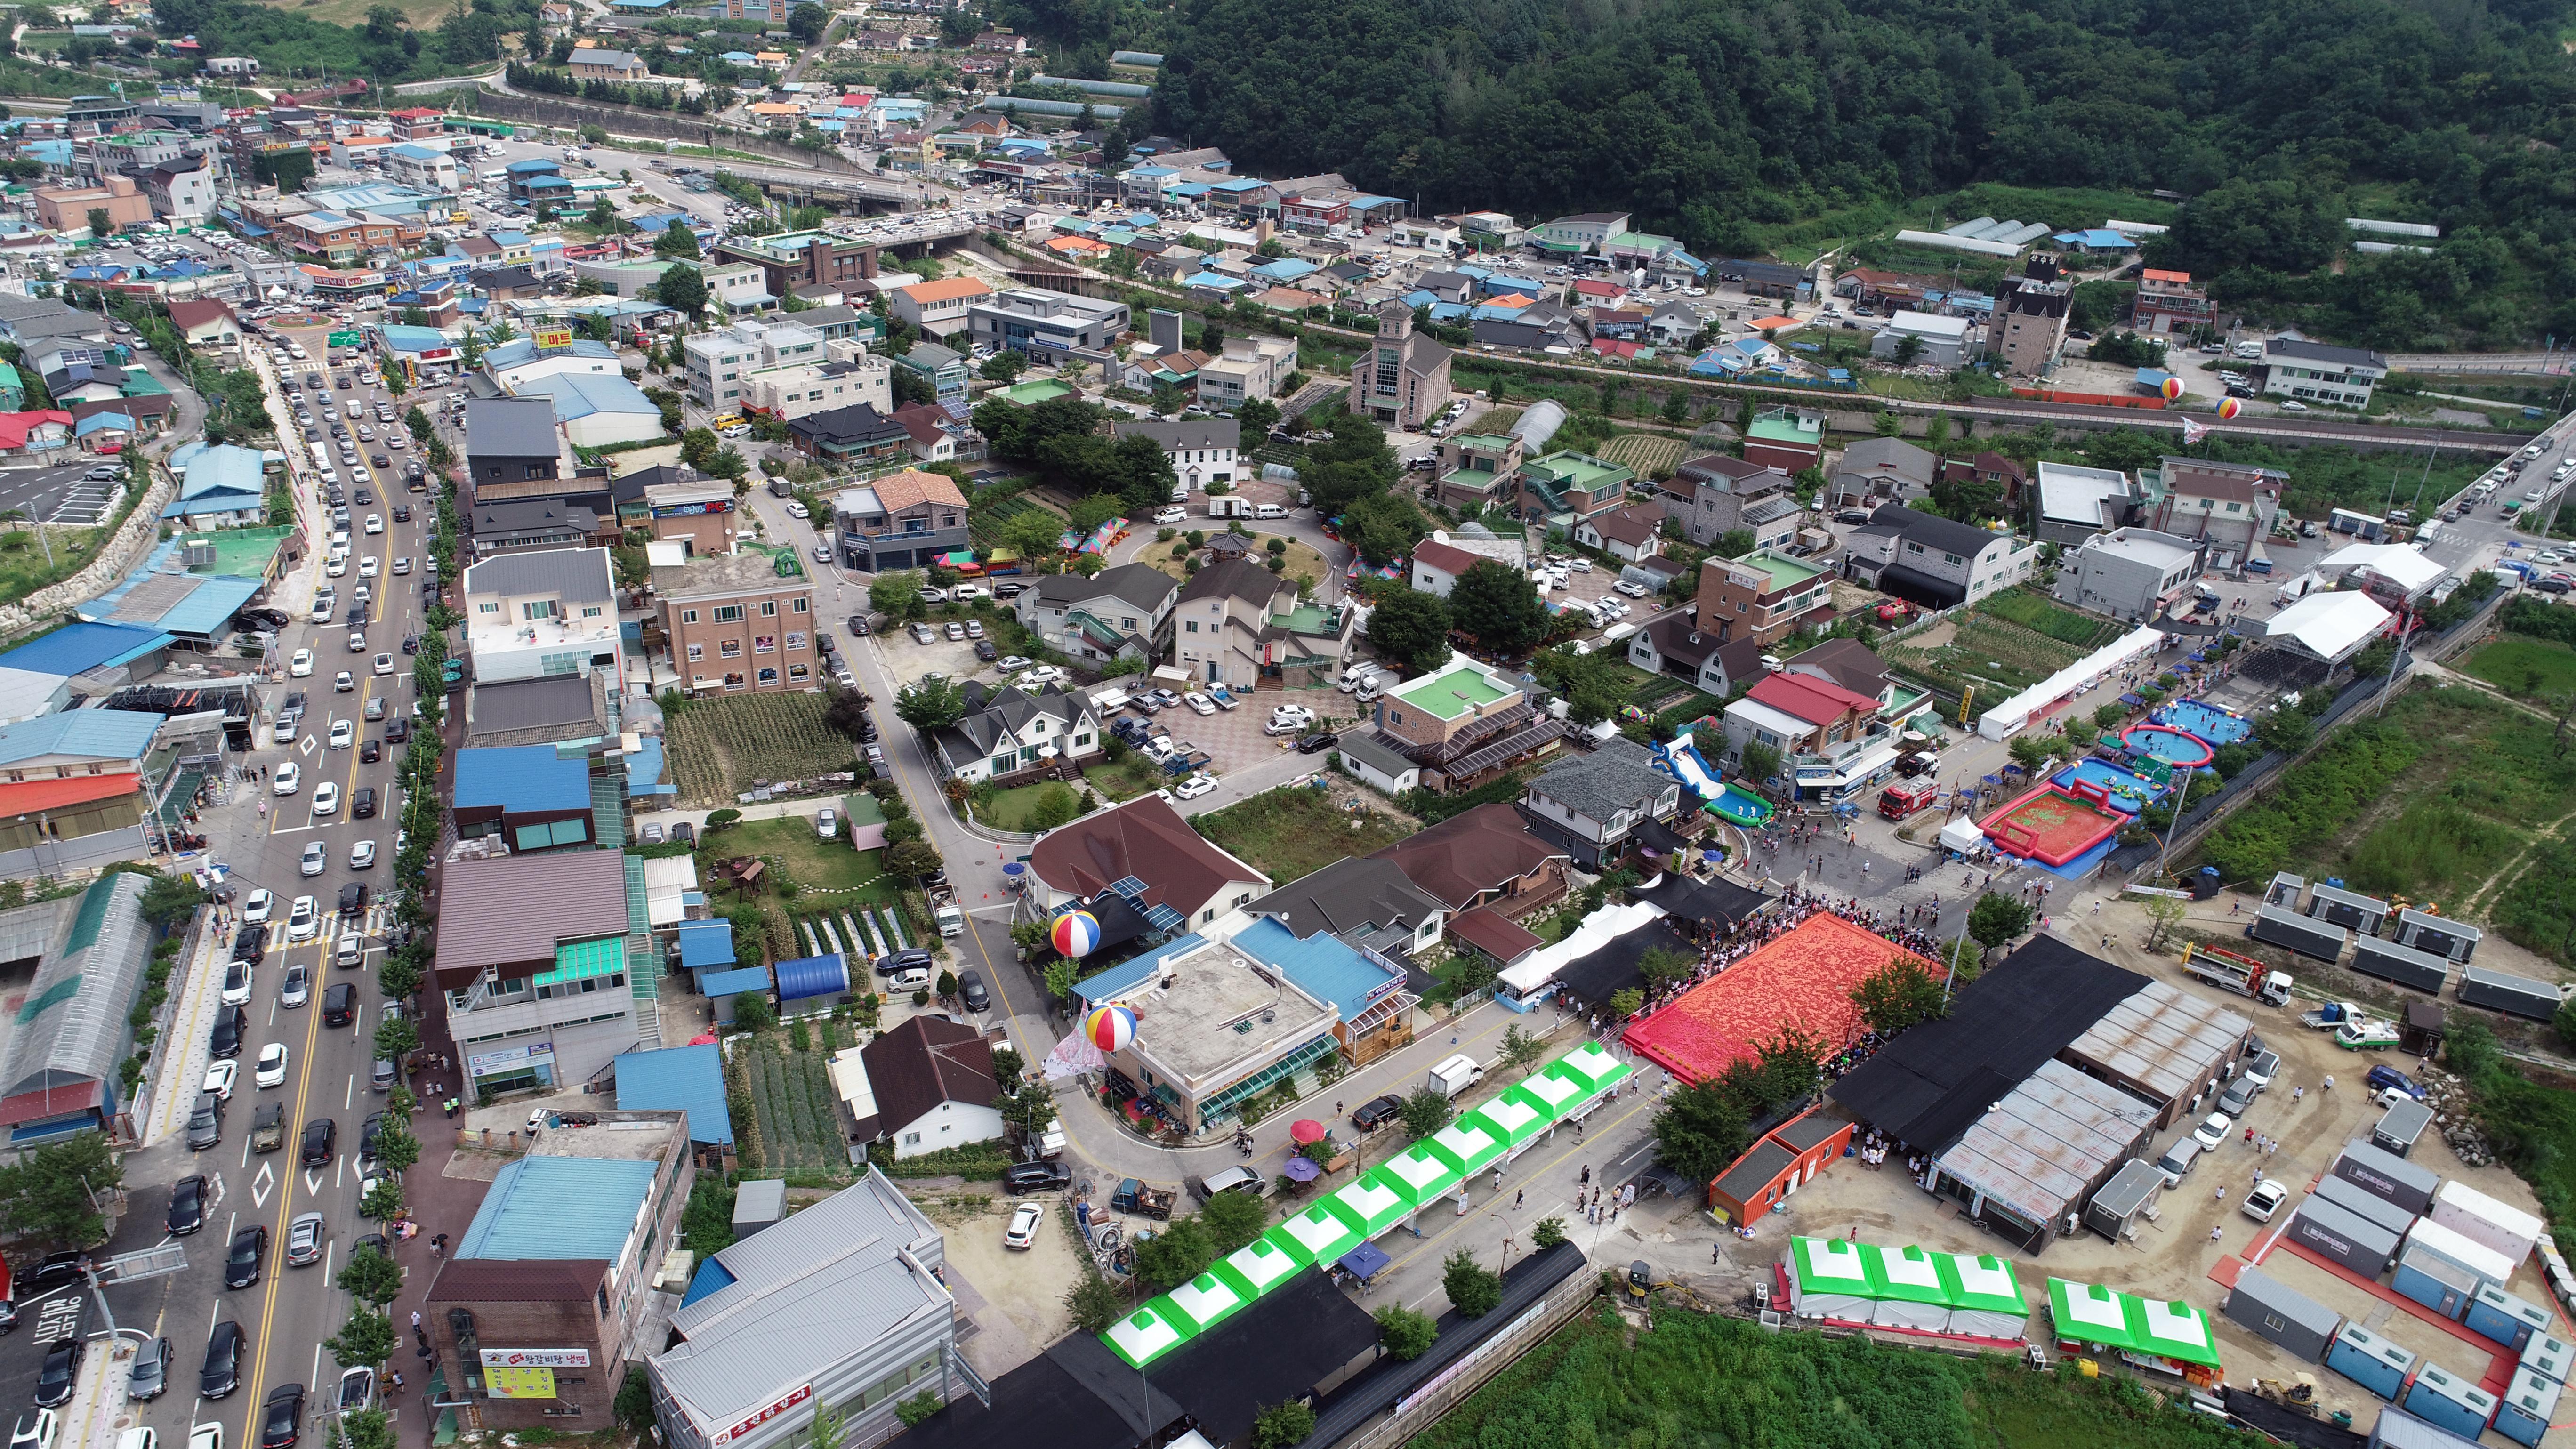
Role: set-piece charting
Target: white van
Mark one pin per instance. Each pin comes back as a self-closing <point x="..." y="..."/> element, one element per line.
<point x="1269" y="510"/>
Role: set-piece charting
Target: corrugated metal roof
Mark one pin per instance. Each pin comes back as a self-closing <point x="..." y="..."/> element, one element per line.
<point x="559" y="1207"/>
<point x="105" y="734"/>
<point x="72" y="1028"/>
<point x="689" y="1079"/>
<point x="706" y="943"/>
<point x="510" y="909"/>
<point x="522" y="778"/>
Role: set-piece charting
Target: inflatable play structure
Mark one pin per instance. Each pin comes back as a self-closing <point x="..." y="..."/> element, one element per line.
<point x="2173" y="746"/>
<point x="2055" y="824"/>
<point x="1681" y="759"/>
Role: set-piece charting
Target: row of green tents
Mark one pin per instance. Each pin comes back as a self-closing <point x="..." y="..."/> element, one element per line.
<point x="1376" y="1202"/>
<point x="1980" y="1295"/>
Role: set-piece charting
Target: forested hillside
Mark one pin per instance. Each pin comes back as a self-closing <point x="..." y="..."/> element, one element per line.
<point x="1719" y="121"/>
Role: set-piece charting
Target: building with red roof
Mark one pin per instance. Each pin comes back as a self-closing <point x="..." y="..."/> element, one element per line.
<point x="1832" y="742"/>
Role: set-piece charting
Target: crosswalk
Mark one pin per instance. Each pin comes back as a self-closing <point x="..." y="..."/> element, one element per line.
<point x="377" y="919"/>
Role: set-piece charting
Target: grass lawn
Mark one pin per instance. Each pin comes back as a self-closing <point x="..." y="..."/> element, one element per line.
<point x="1291" y="833"/>
<point x="1016" y="808"/>
<point x="1136" y="776"/>
<point x="1302" y="558"/>
<point x="2035" y="611"/>
<point x="2524" y="667"/>
<point x="815" y="864"/>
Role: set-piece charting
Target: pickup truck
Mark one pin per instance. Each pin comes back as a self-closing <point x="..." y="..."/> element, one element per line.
<point x="2332" y="1014"/>
<point x="268" y="1128"/>
<point x="944" y="913"/>
<point x="2363" y="1036"/>
<point x="1135" y="1197"/>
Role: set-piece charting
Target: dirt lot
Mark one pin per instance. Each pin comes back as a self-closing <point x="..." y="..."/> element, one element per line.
<point x="1014" y="1299"/>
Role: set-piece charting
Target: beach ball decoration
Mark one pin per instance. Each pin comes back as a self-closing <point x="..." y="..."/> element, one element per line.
<point x="2172" y="389"/>
<point x="1075" y="933"/>
<point x="2230" y="407"/>
<point x="1109" y="1027"/>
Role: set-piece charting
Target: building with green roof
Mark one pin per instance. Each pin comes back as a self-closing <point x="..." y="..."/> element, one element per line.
<point x="59" y="1070"/>
<point x="1564" y="488"/>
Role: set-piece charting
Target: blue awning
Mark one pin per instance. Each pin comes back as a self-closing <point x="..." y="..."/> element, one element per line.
<point x="728" y="983"/>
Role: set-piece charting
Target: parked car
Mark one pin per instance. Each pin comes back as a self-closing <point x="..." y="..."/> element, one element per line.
<point x="1376" y="1112"/>
<point x="1021" y="1235"/>
<point x="1027" y="1177"/>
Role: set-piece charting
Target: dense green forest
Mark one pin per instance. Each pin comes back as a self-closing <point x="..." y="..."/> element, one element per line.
<point x="1714" y="121"/>
<point x="384" y="48"/>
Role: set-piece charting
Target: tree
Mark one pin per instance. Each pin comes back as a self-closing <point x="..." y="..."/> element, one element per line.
<point x="1234" y="1219"/>
<point x="2286" y="730"/>
<point x="1625" y="1002"/>
<point x="930" y="705"/>
<point x="698" y="448"/>
<point x="51" y="1194"/>
<point x="1700" y="1129"/>
<point x="808" y="21"/>
<point x="367" y="1340"/>
<point x="1282" y="1425"/>
<point x="1499" y="606"/>
<point x="384" y="1201"/>
<point x="100" y="225"/>
<point x="2164" y="913"/>
<point x="1004" y="366"/>
<point x="171" y="899"/>
<point x="1662" y="966"/>
<point x="1094" y="1302"/>
<point x="683" y="289"/>
<point x="1472" y="1290"/>
<point x="1257" y="416"/>
<point x="753" y="1013"/>
<point x="1909" y="350"/>
<point x="2110" y="714"/>
<point x="677" y="243"/>
<point x="1411" y="628"/>
<point x="1547" y="1233"/>
<point x="1180" y="1252"/>
<point x="396" y="1148"/>
<point x="2564" y="1021"/>
<point x="395" y="1038"/>
<point x="1520" y="1048"/>
<point x="372" y="1429"/>
<point x="1033" y="534"/>
<point x="1426" y="1111"/>
<point x="1405" y="1334"/>
<point x="371" y="1278"/>
<point x="1996" y="919"/>
<point x="1897" y="995"/>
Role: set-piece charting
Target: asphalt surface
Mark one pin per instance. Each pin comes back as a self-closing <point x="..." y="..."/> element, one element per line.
<point x="289" y="1311"/>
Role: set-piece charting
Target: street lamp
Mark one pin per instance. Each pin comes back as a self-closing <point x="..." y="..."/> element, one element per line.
<point x="45" y="542"/>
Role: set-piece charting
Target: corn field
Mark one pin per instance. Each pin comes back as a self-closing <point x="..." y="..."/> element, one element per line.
<point x="1997" y="657"/>
<point x="1645" y="454"/>
<point x="722" y="747"/>
<point x="800" y="1118"/>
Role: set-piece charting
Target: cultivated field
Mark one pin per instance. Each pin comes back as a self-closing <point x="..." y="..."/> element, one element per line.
<point x="721" y="748"/>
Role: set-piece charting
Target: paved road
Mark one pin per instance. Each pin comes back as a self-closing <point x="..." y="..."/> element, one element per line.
<point x="288" y="1312"/>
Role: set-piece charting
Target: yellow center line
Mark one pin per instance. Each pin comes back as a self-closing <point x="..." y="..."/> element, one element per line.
<point x="274" y="1273"/>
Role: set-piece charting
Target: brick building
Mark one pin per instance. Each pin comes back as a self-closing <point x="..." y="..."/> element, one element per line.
<point x="737" y="621"/>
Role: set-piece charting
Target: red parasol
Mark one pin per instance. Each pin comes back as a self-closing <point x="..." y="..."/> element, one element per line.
<point x="1303" y="1132"/>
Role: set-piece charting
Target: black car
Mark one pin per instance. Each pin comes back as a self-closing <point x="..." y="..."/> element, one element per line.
<point x="222" y="1373"/>
<point x="368" y="1132"/>
<point x="248" y="1252"/>
<point x="339" y="1004"/>
<point x="985" y="651"/>
<point x="411" y="644"/>
<point x="251" y="944"/>
<point x="62" y="1368"/>
<point x="1314" y="743"/>
<point x="370" y="752"/>
<point x="1029" y="1177"/>
<point x="187" y="1205"/>
<point x="363" y="804"/>
<point x="1376" y="1112"/>
<point x="972" y="991"/>
<point x="230" y="1027"/>
<point x="321" y="1139"/>
<point x="280" y="1417"/>
<point x="402" y="513"/>
<point x="353" y="898"/>
<point x="398" y="729"/>
<point x="896" y="963"/>
<point x="685" y="833"/>
<point x="366" y="495"/>
<point x="858" y="626"/>
<point x="53" y="1271"/>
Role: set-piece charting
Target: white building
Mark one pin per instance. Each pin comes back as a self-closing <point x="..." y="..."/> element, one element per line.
<point x="423" y="168"/>
<point x="552" y="611"/>
<point x="516" y="363"/>
<point x="1945" y="340"/>
<point x="1247" y="367"/>
<point x="792" y="392"/>
<point x="718" y="361"/>
<point x="1202" y="450"/>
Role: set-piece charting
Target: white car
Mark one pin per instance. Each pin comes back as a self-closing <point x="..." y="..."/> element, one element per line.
<point x="2265" y="1199"/>
<point x="272" y="1065"/>
<point x="1632" y="590"/>
<point x="256" y="906"/>
<point x="827" y="824"/>
<point x="1199" y="703"/>
<point x="963" y="592"/>
<point x="316" y="859"/>
<point x="1013" y="663"/>
<point x="916" y="978"/>
<point x="283" y="732"/>
<point x="402" y="565"/>
<point x="301" y="666"/>
<point x="384" y="665"/>
<point x="2293" y="405"/>
<point x="1195" y="786"/>
<point x="344" y="733"/>
<point x="326" y="797"/>
<point x="1173" y="514"/>
<point x="1023" y="1232"/>
<point x="798" y="510"/>
<point x="362" y="856"/>
<point x="343" y="682"/>
<point x="375" y="523"/>
<point x="288" y="779"/>
<point x="237" y="983"/>
<point x="220" y="1078"/>
<point x="367" y="567"/>
<point x="2212" y="1132"/>
<point x="303" y="919"/>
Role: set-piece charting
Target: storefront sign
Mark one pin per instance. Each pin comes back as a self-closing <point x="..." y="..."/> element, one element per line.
<point x="485" y="1064"/>
<point x="519" y="1383"/>
<point x="790" y="1400"/>
<point x="495" y="1358"/>
<point x="552" y="336"/>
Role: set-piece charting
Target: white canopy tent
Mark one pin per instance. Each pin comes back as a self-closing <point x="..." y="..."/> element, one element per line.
<point x="1594" y="932"/>
<point x="2403" y="565"/>
<point x="2332" y="627"/>
<point x="2006" y="719"/>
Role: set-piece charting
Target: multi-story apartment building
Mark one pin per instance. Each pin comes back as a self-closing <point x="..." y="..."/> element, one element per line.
<point x="1762" y="596"/>
<point x="2167" y="303"/>
<point x="736" y="622"/>
<point x="800" y="261"/>
<point x="1713" y="495"/>
<point x="1044" y="324"/>
<point x="534" y="953"/>
<point x="805" y="388"/>
<point x="938" y="308"/>
<point x="902" y="520"/>
<point x="2029" y="327"/>
<point x="529" y="615"/>
<point x="1238" y="624"/>
<point x="424" y="168"/>
<point x="1248" y="367"/>
<point x="182" y="189"/>
<point x="718" y="361"/>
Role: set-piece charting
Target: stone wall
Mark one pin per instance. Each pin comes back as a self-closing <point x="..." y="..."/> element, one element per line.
<point x="126" y="548"/>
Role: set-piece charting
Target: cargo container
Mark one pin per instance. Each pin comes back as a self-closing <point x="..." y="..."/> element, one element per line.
<point x="2435" y="1281"/>
<point x="2419" y="970"/>
<point x="2356" y="1243"/>
<point x="2285" y="891"/>
<point x="2481" y="1219"/>
<point x="2397" y="1429"/>
<point x="2494" y="1313"/>
<point x="2512" y="995"/>
<point x="2291" y="931"/>
<point x="2275" y="1310"/>
<point x="2347" y="908"/>
<point x="2400" y="1126"/>
<point x="2523" y="1414"/>
<point x="2386" y="1176"/>
<point x="2490" y="1265"/>
<point x="2367" y="1205"/>
<point x="2370" y="1361"/>
<point x="2427" y="932"/>
<point x="2550" y="1356"/>
<point x="2445" y="1400"/>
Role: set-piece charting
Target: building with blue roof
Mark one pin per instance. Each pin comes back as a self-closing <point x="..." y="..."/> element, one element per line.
<point x="111" y="738"/>
<point x="686" y="1079"/>
<point x="2096" y="239"/>
<point x="79" y="648"/>
<point x="535" y="797"/>
<point x="1372" y="1011"/>
<point x="597" y="410"/>
<point x="1286" y="269"/>
<point x="552" y="1208"/>
<point x="164" y="596"/>
<point x="219" y="487"/>
<point x="706" y="945"/>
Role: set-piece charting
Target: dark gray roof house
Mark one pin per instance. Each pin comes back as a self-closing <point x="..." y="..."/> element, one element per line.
<point x="537" y="523"/>
<point x="1363" y="902"/>
<point x="1183" y="434"/>
<point x="1493" y="333"/>
<point x="1012" y="724"/>
<point x="1881" y="470"/>
<point x="1599" y="801"/>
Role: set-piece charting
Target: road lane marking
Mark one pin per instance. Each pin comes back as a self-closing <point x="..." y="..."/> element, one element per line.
<point x="285" y="1208"/>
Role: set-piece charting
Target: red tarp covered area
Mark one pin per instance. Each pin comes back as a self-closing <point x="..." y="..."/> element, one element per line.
<point x="1805" y="977"/>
